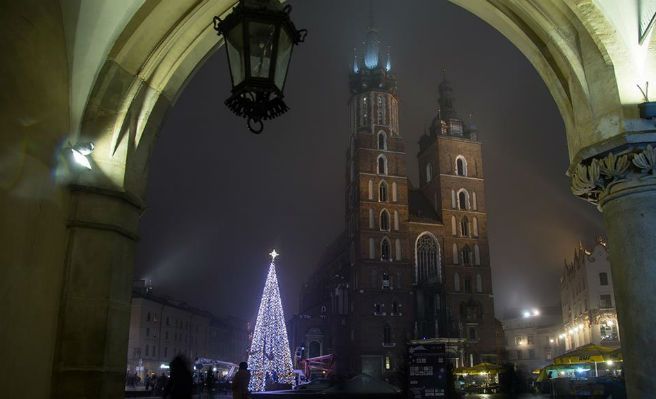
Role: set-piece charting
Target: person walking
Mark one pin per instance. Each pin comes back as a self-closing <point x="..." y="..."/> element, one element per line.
<point x="181" y="383"/>
<point x="240" y="382"/>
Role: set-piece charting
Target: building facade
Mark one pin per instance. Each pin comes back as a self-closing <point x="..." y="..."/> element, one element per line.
<point x="161" y="328"/>
<point x="413" y="262"/>
<point x="532" y="338"/>
<point x="588" y="300"/>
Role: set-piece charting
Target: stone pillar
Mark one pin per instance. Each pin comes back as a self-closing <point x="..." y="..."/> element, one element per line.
<point x="92" y="335"/>
<point x="623" y="185"/>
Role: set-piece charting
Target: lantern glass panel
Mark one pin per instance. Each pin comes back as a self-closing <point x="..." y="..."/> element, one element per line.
<point x="261" y="36"/>
<point x="285" y="46"/>
<point x="235" y="45"/>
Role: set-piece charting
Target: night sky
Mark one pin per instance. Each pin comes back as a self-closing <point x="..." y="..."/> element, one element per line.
<point x="220" y="198"/>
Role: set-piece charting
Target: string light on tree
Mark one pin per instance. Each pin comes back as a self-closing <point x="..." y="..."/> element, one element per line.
<point x="269" y="357"/>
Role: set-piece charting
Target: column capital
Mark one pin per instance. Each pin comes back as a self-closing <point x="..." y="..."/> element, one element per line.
<point x="615" y="173"/>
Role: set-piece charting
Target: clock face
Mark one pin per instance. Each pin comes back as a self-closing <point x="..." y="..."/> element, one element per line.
<point x="647" y="15"/>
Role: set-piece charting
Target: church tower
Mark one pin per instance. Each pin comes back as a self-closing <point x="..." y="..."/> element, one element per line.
<point x="451" y="175"/>
<point x="376" y="208"/>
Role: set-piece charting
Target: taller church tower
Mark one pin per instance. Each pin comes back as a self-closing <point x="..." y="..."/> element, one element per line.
<point x="380" y="320"/>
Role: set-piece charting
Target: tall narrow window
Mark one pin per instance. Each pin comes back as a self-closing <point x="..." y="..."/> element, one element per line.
<point x="474" y="204"/>
<point x="428" y="258"/>
<point x="396" y="220"/>
<point x="371" y="218"/>
<point x="364" y="111"/>
<point x="382" y="191"/>
<point x="429" y="172"/>
<point x="384" y="220"/>
<point x="475" y="226"/>
<point x="468" y="287"/>
<point x="386" y="280"/>
<point x="385" y="249"/>
<point x="387" y="334"/>
<point x="477" y="255"/>
<point x="456" y="259"/>
<point x="479" y="283"/>
<point x="466" y="255"/>
<point x="372" y="249"/>
<point x="463" y="201"/>
<point x="453" y="199"/>
<point x="370" y="192"/>
<point x="456" y="281"/>
<point x="394" y="191"/>
<point x="382" y="141"/>
<point x="461" y="166"/>
<point x="382" y="165"/>
<point x="464" y="226"/>
<point x="454" y="230"/>
<point x="397" y="249"/>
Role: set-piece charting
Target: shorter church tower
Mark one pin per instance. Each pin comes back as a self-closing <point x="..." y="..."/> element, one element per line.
<point x="451" y="175"/>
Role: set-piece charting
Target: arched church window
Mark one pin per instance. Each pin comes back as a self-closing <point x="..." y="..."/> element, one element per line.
<point x="382" y="141"/>
<point x="463" y="199"/>
<point x="427" y="258"/>
<point x="382" y="165"/>
<point x="429" y="172"/>
<point x="384" y="220"/>
<point x="461" y="166"/>
<point x="466" y="255"/>
<point x="382" y="192"/>
<point x="464" y="226"/>
<point x="385" y="249"/>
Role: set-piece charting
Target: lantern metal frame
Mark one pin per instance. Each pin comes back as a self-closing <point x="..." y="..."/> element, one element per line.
<point x="258" y="98"/>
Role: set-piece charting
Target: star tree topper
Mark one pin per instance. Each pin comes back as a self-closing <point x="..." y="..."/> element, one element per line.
<point x="273" y="255"/>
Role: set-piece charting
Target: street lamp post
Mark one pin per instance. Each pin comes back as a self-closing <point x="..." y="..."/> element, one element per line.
<point x="259" y="38"/>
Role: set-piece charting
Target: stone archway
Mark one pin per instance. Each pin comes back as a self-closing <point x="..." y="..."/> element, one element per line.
<point x="584" y="50"/>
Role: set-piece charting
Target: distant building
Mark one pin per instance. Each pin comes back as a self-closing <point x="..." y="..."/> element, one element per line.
<point x="588" y="300"/>
<point x="532" y="338"/>
<point x="413" y="262"/>
<point x="161" y="328"/>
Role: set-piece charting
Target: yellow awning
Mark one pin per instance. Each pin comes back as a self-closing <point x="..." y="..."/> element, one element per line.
<point x="588" y="354"/>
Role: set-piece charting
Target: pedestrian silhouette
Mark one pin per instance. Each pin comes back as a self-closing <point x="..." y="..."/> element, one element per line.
<point x="180" y="384"/>
<point x="240" y="382"/>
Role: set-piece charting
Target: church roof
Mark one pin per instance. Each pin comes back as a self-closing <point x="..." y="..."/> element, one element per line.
<point x="420" y="207"/>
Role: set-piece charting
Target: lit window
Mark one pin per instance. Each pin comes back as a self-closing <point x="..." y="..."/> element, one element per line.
<point x="429" y="172"/>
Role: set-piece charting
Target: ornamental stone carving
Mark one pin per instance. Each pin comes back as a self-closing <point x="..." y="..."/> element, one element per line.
<point x="598" y="179"/>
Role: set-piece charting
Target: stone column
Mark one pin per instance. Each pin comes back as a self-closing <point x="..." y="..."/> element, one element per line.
<point x="623" y="185"/>
<point x="92" y="335"/>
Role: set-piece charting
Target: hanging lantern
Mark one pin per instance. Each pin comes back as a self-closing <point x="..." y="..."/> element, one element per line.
<point x="259" y="38"/>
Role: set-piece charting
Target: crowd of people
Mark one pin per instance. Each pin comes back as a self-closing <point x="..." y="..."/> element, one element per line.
<point x="181" y="382"/>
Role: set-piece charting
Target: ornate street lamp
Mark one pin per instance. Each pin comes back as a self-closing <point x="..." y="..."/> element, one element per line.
<point x="259" y="38"/>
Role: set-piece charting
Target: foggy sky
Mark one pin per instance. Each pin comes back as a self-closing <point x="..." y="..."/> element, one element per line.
<point x="220" y="198"/>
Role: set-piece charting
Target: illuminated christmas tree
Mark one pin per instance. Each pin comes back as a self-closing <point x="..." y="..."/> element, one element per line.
<point x="269" y="357"/>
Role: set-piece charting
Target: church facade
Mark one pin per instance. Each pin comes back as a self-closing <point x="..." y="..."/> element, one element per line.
<point x="413" y="262"/>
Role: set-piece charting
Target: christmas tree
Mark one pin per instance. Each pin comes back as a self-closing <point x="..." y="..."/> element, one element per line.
<point x="269" y="357"/>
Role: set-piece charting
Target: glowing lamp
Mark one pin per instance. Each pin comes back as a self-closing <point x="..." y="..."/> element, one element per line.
<point x="536" y="312"/>
<point x="259" y="38"/>
<point x="527" y="314"/>
<point x="609" y="362"/>
<point x="80" y="152"/>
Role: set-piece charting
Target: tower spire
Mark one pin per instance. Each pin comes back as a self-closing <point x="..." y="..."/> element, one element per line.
<point x="372" y="24"/>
